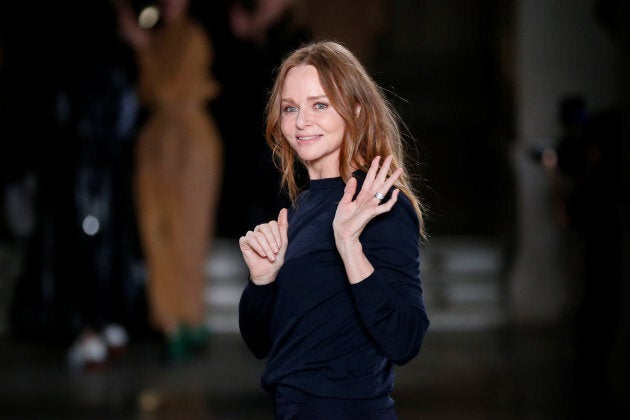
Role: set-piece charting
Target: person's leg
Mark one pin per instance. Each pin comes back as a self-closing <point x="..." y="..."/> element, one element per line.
<point x="200" y="184"/>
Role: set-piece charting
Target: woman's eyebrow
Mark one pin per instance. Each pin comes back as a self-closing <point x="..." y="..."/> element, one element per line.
<point x="310" y="98"/>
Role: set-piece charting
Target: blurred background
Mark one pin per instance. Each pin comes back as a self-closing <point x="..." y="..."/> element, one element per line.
<point x="519" y="115"/>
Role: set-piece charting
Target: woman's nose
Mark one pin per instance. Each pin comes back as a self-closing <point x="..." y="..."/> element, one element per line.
<point x="302" y="119"/>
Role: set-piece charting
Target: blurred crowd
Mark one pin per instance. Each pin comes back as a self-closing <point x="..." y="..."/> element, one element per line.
<point x="129" y="129"/>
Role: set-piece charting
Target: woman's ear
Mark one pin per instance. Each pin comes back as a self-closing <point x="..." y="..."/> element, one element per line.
<point x="357" y="111"/>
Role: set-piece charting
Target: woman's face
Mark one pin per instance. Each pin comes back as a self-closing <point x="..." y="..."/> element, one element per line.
<point x="310" y="124"/>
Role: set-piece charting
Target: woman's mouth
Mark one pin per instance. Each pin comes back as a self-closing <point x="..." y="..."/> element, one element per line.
<point x="308" y="138"/>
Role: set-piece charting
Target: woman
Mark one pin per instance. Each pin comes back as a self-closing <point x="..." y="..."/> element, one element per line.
<point x="179" y="167"/>
<point x="334" y="299"/>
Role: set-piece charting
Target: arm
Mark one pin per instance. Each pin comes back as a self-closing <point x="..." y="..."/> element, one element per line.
<point x="389" y="301"/>
<point x="353" y="214"/>
<point x="128" y="26"/>
<point x="263" y="250"/>
<point x="385" y="277"/>
<point x="254" y="317"/>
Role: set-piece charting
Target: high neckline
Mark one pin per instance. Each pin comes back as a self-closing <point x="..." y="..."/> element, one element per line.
<point x="326" y="183"/>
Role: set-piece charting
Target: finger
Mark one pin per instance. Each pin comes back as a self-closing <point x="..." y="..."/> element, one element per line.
<point x="387" y="205"/>
<point x="381" y="176"/>
<point x="283" y="226"/>
<point x="242" y="243"/>
<point x="272" y="234"/>
<point x="247" y="243"/>
<point x="381" y="184"/>
<point x="368" y="182"/>
<point x="371" y="174"/>
<point x="349" y="190"/>
<point x="392" y="179"/>
<point x="259" y="242"/>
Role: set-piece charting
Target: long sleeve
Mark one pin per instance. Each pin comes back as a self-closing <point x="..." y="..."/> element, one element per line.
<point x="328" y="342"/>
<point x="255" y="312"/>
<point x="389" y="301"/>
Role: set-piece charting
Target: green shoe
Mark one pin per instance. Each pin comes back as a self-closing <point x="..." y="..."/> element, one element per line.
<point x="196" y="338"/>
<point x="177" y="347"/>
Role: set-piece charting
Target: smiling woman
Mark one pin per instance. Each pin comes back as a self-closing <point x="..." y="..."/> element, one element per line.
<point x="334" y="299"/>
<point x="313" y="127"/>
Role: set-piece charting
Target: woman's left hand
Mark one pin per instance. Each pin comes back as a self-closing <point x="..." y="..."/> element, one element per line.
<point x="353" y="215"/>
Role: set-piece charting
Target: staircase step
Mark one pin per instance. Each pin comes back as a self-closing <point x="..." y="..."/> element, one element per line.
<point x="460" y="276"/>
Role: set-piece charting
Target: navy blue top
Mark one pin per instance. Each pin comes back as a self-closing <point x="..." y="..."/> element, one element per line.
<point x="329" y="343"/>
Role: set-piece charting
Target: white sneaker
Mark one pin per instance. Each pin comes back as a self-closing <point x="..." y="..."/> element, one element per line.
<point x="89" y="351"/>
<point x="116" y="339"/>
<point x="115" y="336"/>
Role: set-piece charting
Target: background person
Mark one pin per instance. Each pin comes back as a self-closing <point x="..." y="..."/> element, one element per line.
<point x="179" y="164"/>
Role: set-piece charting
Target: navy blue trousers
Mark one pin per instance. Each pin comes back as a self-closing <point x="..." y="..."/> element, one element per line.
<point x="289" y="410"/>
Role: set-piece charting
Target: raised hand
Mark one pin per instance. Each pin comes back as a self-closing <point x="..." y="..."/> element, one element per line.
<point x="353" y="215"/>
<point x="264" y="248"/>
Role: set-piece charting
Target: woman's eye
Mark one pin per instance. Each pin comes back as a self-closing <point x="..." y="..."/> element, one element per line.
<point x="289" y="108"/>
<point x="321" y="105"/>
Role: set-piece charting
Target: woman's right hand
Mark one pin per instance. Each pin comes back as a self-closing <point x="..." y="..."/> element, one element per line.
<point x="264" y="248"/>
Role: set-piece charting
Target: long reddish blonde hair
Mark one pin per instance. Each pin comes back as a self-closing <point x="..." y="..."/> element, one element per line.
<point x="373" y="131"/>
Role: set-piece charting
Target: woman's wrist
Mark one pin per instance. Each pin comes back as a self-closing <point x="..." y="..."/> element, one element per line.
<point x="348" y="247"/>
<point x="263" y="279"/>
<point x="358" y="267"/>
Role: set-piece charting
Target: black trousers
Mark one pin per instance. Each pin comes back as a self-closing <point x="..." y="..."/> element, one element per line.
<point x="289" y="410"/>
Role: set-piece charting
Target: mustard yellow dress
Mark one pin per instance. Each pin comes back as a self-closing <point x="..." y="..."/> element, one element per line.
<point x="179" y="165"/>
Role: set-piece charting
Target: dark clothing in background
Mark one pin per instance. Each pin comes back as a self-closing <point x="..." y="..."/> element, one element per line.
<point x="76" y="123"/>
<point x="332" y="345"/>
<point x="595" y="209"/>
<point x="245" y="71"/>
